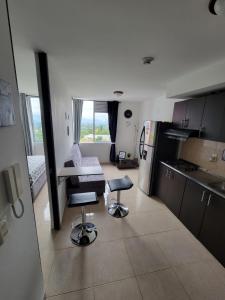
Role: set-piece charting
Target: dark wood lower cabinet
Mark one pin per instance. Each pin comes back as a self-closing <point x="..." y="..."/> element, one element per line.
<point x="193" y="206"/>
<point x="170" y="188"/>
<point x="162" y="182"/>
<point x="212" y="233"/>
<point x="175" y="191"/>
<point x="200" y="210"/>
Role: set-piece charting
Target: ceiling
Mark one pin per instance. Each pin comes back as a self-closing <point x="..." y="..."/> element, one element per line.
<point x="97" y="46"/>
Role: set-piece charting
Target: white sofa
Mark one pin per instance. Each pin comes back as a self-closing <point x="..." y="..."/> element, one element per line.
<point x="82" y="184"/>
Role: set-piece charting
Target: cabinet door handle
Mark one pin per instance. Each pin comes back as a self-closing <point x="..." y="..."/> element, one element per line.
<point x="203" y="196"/>
<point x="209" y="199"/>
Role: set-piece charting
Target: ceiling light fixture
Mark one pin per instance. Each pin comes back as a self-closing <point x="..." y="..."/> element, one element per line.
<point x="217" y="7"/>
<point x="118" y="93"/>
<point x="147" y="60"/>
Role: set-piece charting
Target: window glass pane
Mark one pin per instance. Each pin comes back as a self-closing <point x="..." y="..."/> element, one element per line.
<point x="86" y="132"/>
<point x="36" y="118"/>
<point x="101" y="127"/>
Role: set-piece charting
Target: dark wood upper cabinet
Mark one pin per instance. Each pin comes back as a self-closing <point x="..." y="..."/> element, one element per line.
<point x="212" y="233"/>
<point x="213" y="118"/>
<point x="188" y="114"/>
<point x="179" y="113"/>
<point x="194" y="112"/>
<point x="193" y="206"/>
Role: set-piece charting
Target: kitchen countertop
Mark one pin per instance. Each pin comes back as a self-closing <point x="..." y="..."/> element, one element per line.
<point x="202" y="178"/>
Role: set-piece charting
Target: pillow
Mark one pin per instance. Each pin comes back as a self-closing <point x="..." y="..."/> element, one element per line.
<point x="68" y="164"/>
<point x="74" y="180"/>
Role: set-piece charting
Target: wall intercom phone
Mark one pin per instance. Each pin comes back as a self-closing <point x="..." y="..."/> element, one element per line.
<point x="14" y="187"/>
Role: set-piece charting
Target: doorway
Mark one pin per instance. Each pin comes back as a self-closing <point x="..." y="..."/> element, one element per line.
<point x="31" y="116"/>
<point x="39" y="144"/>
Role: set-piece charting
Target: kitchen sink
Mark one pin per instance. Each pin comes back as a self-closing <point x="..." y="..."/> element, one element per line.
<point x="219" y="186"/>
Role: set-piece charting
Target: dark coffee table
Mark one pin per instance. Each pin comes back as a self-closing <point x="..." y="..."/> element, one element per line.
<point x="127" y="164"/>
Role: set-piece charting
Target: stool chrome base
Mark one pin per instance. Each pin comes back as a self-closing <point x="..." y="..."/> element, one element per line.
<point x="83" y="234"/>
<point x="118" y="210"/>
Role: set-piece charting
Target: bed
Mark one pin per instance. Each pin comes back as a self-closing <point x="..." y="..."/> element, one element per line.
<point x="37" y="173"/>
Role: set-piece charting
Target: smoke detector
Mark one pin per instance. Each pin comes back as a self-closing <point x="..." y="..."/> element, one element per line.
<point x="118" y="93"/>
<point x="217" y="7"/>
<point x="147" y="60"/>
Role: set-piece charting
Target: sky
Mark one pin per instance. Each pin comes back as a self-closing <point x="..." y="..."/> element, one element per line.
<point x="35" y="105"/>
<point x="87" y="111"/>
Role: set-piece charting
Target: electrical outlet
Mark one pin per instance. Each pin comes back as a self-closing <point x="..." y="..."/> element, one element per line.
<point x="213" y="157"/>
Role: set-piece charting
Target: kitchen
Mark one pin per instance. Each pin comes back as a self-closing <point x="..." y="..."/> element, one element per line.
<point x="189" y="177"/>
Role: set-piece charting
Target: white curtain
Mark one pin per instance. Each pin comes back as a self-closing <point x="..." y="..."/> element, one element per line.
<point x="26" y="116"/>
<point x="77" y="115"/>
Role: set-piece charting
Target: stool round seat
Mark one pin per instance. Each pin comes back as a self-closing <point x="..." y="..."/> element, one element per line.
<point x="117" y="209"/>
<point x="82" y="199"/>
<point x="84" y="233"/>
<point x="120" y="184"/>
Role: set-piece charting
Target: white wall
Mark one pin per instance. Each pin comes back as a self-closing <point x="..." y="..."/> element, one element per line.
<point x="206" y="79"/>
<point x="160" y="109"/>
<point x="61" y="104"/>
<point x="126" y="137"/>
<point x="20" y="268"/>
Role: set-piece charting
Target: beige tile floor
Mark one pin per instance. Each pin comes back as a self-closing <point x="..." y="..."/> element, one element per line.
<point x="147" y="255"/>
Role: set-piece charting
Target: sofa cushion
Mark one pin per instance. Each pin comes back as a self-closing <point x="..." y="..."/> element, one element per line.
<point x="75" y="155"/>
<point x="91" y="178"/>
<point x="89" y="161"/>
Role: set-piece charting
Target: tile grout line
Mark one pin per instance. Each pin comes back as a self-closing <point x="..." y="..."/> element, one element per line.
<point x="122" y="238"/>
<point x="171" y="266"/>
<point x="133" y="271"/>
<point x="181" y="283"/>
<point x="91" y="287"/>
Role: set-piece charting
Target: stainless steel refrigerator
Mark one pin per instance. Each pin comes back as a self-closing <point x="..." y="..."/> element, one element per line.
<point x="153" y="146"/>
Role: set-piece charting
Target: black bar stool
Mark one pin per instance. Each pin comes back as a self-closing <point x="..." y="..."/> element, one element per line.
<point x="117" y="209"/>
<point x="85" y="233"/>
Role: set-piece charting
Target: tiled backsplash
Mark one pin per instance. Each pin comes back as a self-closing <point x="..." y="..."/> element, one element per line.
<point x="200" y="151"/>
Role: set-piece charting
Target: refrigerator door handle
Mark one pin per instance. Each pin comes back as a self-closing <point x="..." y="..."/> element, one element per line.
<point x="142" y="142"/>
<point x="140" y="151"/>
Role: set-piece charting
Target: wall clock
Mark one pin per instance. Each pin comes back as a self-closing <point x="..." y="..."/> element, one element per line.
<point x="128" y="114"/>
<point x="217" y="7"/>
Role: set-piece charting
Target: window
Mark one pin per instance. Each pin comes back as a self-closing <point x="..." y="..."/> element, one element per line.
<point x="36" y="119"/>
<point x="94" y="122"/>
